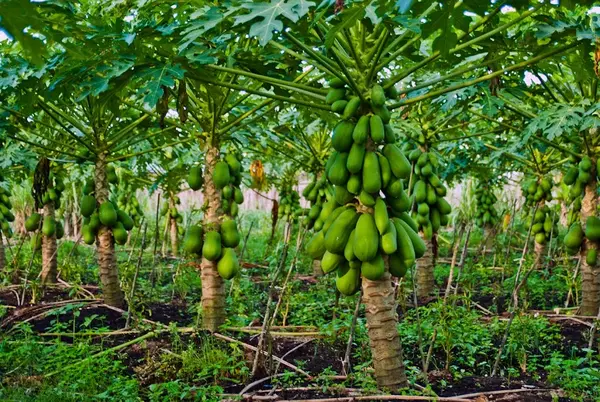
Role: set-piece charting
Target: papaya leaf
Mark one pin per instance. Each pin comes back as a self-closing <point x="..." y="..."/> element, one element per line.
<point x="155" y="78"/>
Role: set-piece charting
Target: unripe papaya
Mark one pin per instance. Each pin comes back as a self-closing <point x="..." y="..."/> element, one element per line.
<point x="348" y="279"/>
<point x="342" y="195"/>
<point x="377" y="129"/>
<point x="377" y="95"/>
<point x="339" y="106"/>
<point x="332" y="217"/>
<point x="338" y="173"/>
<point x="330" y="262"/>
<point x="238" y="196"/>
<point x="366" y="238"/>
<point x="60" y="230"/>
<point x="49" y="226"/>
<point x="390" y="136"/>
<point x="315" y="247"/>
<point x="336" y="83"/>
<point x="418" y="243"/>
<point x="88" y="205"/>
<point x="108" y="214"/>
<point x="366" y="199"/>
<point x="211" y="249"/>
<point x="420" y="191"/>
<point x="228" y="266"/>
<point x="221" y="176"/>
<point x="349" y="249"/>
<point x="192" y="243"/>
<point x="354" y="184"/>
<point x="88" y="235"/>
<point x="351" y="108"/>
<point x="361" y="130"/>
<point x="397" y="265"/>
<point x="405" y="249"/>
<point x="341" y="140"/>
<point x="125" y="219"/>
<point x="356" y="158"/>
<point x="574" y="237"/>
<point x="585" y="164"/>
<point x="339" y="232"/>
<point x="373" y="269"/>
<point x="33" y="222"/>
<point x="194" y="178"/>
<point x="381" y="216"/>
<point x="400" y="166"/>
<point x="592" y="228"/>
<point x="591" y="257"/>
<point x="389" y="241"/>
<point x="235" y="167"/>
<point x="230" y="237"/>
<point x="386" y="171"/>
<point x="119" y="234"/>
<point x="371" y="173"/>
<point x="334" y="95"/>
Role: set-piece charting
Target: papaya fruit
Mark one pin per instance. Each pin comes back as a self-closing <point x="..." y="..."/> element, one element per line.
<point x="315" y="247"/>
<point x="420" y="191"/>
<point x="427" y="230"/>
<point x="366" y="199"/>
<point x="585" y="164"/>
<point x="390" y="136"/>
<point x="221" y="176"/>
<point x="327" y="209"/>
<point x="376" y="128"/>
<point x="227" y="193"/>
<point x="348" y="279"/>
<point x="397" y="265"/>
<point x="540" y="238"/>
<point x="108" y="214"/>
<point x="354" y="184"/>
<point x="60" y="230"/>
<point x="435" y="218"/>
<point x="33" y="222"/>
<point x="119" y="234"/>
<point x="405" y="247"/>
<point x="591" y="256"/>
<point x="592" y="228"/>
<point x="374" y="269"/>
<point x="414" y="155"/>
<point x="355" y="158"/>
<point x="36" y="241"/>
<point x="238" y="196"/>
<point x="371" y="173"/>
<point x="49" y="226"/>
<point x="395" y="188"/>
<point x="377" y="95"/>
<point x="88" y="205"/>
<point x="386" y="171"/>
<point x="339" y="106"/>
<point x="125" y="219"/>
<point x="349" y="249"/>
<point x="338" y="173"/>
<point x="342" y="195"/>
<point x="389" y="241"/>
<point x="330" y="262"/>
<point x="228" y="266"/>
<point x="427" y="170"/>
<point x="361" y="130"/>
<point x="314" y="211"/>
<point x="383" y="112"/>
<point x="351" y="108"/>
<point x="574" y="237"/>
<point x="95" y="222"/>
<point x="584" y="177"/>
<point x="230" y="237"/>
<point x="339" y="231"/>
<point x="334" y="95"/>
<point x="418" y="243"/>
<point x="341" y="139"/>
<point x="423" y="209"/>
<point x="431" y="195"/>
<point x="89" y="187"/>
<point x="336" y="83"/>
<point x="332" y="217"/>
<point x="366" y="238"/>
<point x="235" y="167"/>
<point x="400" y="166"/>
<point x="192" y="243"/>
<point x="194" y="178"/>
<point x="443" y="206"/>
<point x="211" y="249"/>
<point x="399" y="204"/>
<point x="381" y="216"/>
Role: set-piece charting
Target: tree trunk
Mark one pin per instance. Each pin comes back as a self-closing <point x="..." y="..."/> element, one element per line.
<point x="489" y="235"/>
<point x="590" y="281"/>
<point x="540" y="254"/>
<point x="317" y="270"/>
<point x="174" y="237"/>
<point x="213" y="286"/>
<point x="49" y="258"/>
<point x="425" y="265"/>
<point x="107" y="259"/>
<point x="386" y="349"/>
<point x="2" y="257"/>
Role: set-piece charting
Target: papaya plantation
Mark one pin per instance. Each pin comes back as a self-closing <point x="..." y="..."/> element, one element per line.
<point x="299" y="200"/>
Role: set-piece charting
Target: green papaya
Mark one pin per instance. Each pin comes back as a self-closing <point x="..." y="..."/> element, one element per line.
<point x="339" y="106"/>
<point x="33" y="222"/>
<point x="107" y="214"/>
<point x="348" y="283"/>
<point x="125" y="219"/>
<point x="414" y="155"/>
<point x="399" y="204"/>
<point x="60" y="230"/>
<point x="228" y="266"/>
<point x="418" y="243"/>
<point x="194" y="178"/>
<point x="390" y="136"/>
<point x="354" y="184"/>
<point x="238" y="196"/>
<point x="397" y="265"/>
<point x="211" y="249"/>
<point x="221" y="176"/>
<point x="356" y="158"/>
<point x="386" y="171"/>
<point x="315" y="247"/>
<point x="361" y="130"/>
<point x="342" y="195"/>
<point x="339" y="231"/>
<point x="585" y="164"/>
<point x="389" y="241"/>
<point x="374" y="269"/>
<point x="377" y="129"/>
<point x="227" y="192"/>
<point x="330" y="262"/>
<point x="341" y="140"/>
<point x="49" y="226"/>
<point x="395" y="188"/>
<point x="592" y="228"/>
<point x="435" y="218"/>
<point x="338" y="174"/>
<point x="574" y="237"/>
<point x="383" y="112"/>
<point x="366" y="199"/>
<point x="409" y="221"/>
<point x="400" y="166"/>
<point x="366" y="238"/>
<point x="314" y="211"/>
<point x="423" y="209"/>
<point x="420" y="191"/>
<point x="405" y="247"/>
<point x="349" y="249"/>
<point x="431" y="195"/>
<point x="334" y="95"/>
<point x="192" y="243"/>
<point x="95" y="222"/>
<point x="591" y="256"/>
<point x="119" y="234"/>
<point x="332" y="217"/>
<point x="443" y="206"/>
<point x="235" y="167"/>
<point x="36" y="241"/>
<point x="230" y="237"/>
<point x="540" y="238"/>
<point x="89" y="187"/>
<point x="88" y="205"/>
<point x="336" y="83"/>
<point x="377" y="96"/>
<point x="351" y="108"/>
<point x="371" y="173"/>
<point x="381" y="216"/>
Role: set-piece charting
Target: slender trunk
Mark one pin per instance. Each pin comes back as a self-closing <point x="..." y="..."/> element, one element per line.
<point x="539" y="251"/>
<point x="317" y="270"/>
<point x="2" y="256"/>
<point x="107" y="259"/>
<point x="213" y="286"/>
<point x="174" y="237"/>
<point x="384" y="339"/>
<point x="590" y="282"/>
<point x="425" y="265"/>
<point x="49" y="258"/>
<point x="489" y="234"/>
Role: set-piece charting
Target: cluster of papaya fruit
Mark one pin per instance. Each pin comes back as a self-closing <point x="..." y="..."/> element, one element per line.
<point x="317" y="192"/>
<point x="128" y="202"/>
<point x="106" y="214"/>
<point x="574" y="238"/>
<point x="6" y="215"/>
<point x="194" y="178"/>
<point x="577" y="177"/>
<point x="537" y="190"/>
<point x="169" y="210"/>
<point x="361" y="229"/>
<point x="545" y="224"/>
<point x="49" y="226"/>
<point x="430" y="209"/>
<point x="485" y="214"/>
<point x="227" y="177"/>
<point x="289" y="204"/>
<point x="216" y="246"/>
